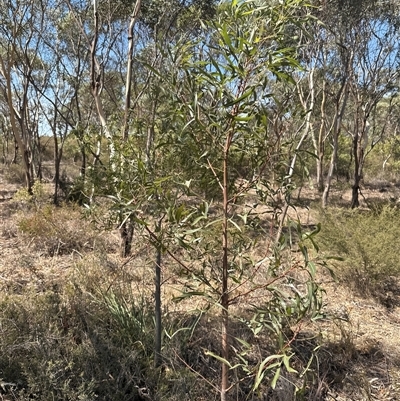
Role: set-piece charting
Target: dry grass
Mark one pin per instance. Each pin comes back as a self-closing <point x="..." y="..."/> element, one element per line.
<point x="80" y="284"/>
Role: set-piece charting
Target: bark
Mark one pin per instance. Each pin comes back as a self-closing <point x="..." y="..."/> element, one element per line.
<point x="57" y="163"/>
<point x="328" y="181"/>
<point x="128" y="84"/>
<point x="126" y="235"/>
<point x="360" y="140"/>
<point x="308" y="127"/>
<point x="319" y="143"/>
<point x="157" y="310"/>
<point x="20" y="139"/>
<point x="225" y="278"/>
<point x="340" y="107"/>
<point x="225" y="261"/>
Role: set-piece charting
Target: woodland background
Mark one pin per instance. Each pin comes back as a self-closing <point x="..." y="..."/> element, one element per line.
<point x="199" y="200"/>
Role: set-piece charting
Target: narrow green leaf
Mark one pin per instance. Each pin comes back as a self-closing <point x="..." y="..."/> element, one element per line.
<point x="235" y="224"/>
<point x="194" y="230"/>
<point x="224" y="33"/>
<point x="243" y="342"/>
<point x="262" y="369"/>
<point x="312" y="268"/>
<point x="276" y="377"/>
<point x="171" y="336"/>
<point x="213" y="222"/>
<point x="219" y="358"/>
<point x="286" y="362"/>
<point x="245" y="95"/>
<point x="186" y="295"/>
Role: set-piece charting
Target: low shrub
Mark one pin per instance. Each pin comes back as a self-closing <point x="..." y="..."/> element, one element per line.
<point x="15" y="174"/>
<point x="57" y="230"/>
<point x="367" y="241"/>
<point x="53" y="348"/>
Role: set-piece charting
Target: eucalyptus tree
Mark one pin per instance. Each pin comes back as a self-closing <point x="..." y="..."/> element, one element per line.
<point x="20" y="45"/>
<point x="126" y="41"/>
<point x="374" y="78"/>
<point x="352" y="55"/>
<point x="55" y="81"/>
<point x="222" y="107"/>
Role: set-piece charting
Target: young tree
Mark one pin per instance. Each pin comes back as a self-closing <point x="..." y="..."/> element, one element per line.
<point x="222" y="99"/>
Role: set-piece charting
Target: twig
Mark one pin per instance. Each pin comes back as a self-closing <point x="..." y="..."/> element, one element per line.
<point x="197" y="373"/>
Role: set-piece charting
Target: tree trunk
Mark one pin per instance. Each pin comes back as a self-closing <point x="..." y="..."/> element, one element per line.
<point x="336" y="132"/>
<point x="82" y="170"/>
<point x="21" y="140"/>
<point x="28" y="171"/>
<point x="360" y="141"/>
<point x="126" y="234"/>
<point x="15" y="154"/>
<point x="225" y="276"/>
<point x="57" y="162"/>
<point x="157" y="310"/>
<point x="319" y="143"/>
<point x="128" y="83"/>
<point x="329" y="176"/>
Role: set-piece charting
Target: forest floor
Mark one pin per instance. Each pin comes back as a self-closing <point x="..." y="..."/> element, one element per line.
<point x="361" y="354"/>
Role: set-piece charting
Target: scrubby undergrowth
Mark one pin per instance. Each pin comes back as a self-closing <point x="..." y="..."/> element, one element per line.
<point x="76" y="321"/>
<point x="368" y="241"/>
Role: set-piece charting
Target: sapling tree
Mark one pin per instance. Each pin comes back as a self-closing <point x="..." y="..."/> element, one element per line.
<point x="137" y="180"/>
<point x="223" y="91"/>
<point x="195" y="179"/>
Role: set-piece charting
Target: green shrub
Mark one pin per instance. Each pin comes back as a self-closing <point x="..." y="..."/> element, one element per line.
<point x="15" y="174"/>
<point x="38" y="197"/>
<point x="368" y="242"/>
<point x="57" y="230"/>
<point x="54" y="349"/>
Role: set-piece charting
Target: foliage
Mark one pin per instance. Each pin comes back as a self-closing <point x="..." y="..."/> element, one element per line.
<point x="131" y="319"/>
<point x="54" y="348"/>
<point x="36" y="198"/>
<point x="367" y="241"/>
<point x="220" y="103"/>
<point x="53" y="230"/>
<point x="15" y="174"/>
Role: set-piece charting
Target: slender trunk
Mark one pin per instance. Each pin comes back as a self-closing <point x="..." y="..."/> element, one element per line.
<point x="157" y="310"/>
<point x="15" y="154"/>
<point x="56" y="169"/>
<point x="341" y="104"/>
<point x="332" y="163"/>
<point x="360" y="140"/>
<point x="5" y="149"/>
<point x="96" y="76"/>
<point x="19" y="138"/>
<point x="82" y="170"/>
<point x="354" y="193"/>
<point x="319" y="144"/>
<point x="225" y="276"/>
<point x="128" y="83"/>
<point x="126" y="235"/>
<point x="336" y="132"/>
<point x="39" y="172"/>
<point x="307" y="129"/>
<point x="356" y="184"/>
<point x="289" y="177"/>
